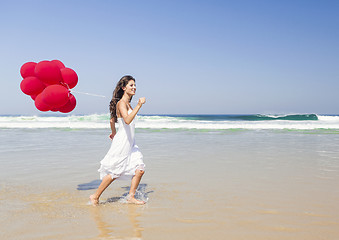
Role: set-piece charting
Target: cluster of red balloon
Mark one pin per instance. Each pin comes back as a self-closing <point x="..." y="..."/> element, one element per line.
<point x="48" y="84"/>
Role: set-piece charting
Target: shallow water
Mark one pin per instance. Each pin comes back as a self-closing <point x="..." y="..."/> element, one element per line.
<point x="244" y="184"/>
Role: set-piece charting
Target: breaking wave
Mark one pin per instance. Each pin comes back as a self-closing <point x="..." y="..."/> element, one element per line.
<point x="213" y="122"/>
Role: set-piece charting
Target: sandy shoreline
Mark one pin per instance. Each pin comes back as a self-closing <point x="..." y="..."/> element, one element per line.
<point x="171" y="212"/>
<point x="243" y="185"/>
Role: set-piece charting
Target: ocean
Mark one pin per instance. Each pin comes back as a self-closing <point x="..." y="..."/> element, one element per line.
<point x="198" y="122"/>
<point x="207" y="177"/>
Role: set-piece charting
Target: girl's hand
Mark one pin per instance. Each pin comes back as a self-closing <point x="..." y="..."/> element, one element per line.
<point x="142" y="101"/>
<point x="111" y="136"/>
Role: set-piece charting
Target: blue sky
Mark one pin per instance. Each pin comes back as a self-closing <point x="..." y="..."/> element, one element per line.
<point x="212" y="57"/>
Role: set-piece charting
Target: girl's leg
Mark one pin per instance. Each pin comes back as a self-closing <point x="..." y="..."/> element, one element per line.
<point x="134" y="185"/>
<point x="106" y="181"/>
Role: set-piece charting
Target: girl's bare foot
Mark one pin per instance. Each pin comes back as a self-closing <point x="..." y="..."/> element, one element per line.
<point x="94" y="201"/>
<point x="133" y="200"/>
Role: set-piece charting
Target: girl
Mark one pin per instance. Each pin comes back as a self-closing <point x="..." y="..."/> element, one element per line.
<point x="123" y="160"/>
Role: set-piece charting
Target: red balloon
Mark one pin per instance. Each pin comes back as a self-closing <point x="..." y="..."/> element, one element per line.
<point x="58" y="63"/>
<point x="27" y="69"/>
<point x="34" y="96"/>
<point x="48" y="84"/>
<point x="40" y="104"/>
<point x="70" y="77"/>
<point x="31" y="86"/>
<point x="70" y="105"/>
<point x="55" y="96"/>
<point x="48" y="72"/>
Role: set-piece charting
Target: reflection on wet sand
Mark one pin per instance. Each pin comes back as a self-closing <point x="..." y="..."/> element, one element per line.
<point x="133" y="215"/>
<point x="125" y="217"/>
<point x="115" y="218"/>
<point x="105" y="229"/>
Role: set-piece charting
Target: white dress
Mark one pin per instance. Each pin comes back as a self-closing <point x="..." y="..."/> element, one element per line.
<point x="123" y="158"/>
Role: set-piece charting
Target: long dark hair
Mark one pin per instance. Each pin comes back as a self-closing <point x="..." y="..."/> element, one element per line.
<point x="117" y="95"/>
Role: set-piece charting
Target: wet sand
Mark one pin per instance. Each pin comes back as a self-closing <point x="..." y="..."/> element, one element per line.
<point x="199" y="185"/>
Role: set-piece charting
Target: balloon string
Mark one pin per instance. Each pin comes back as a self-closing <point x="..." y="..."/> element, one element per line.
<point x="96" y="95"/>
<point x="66" y="85"/>
<point x="90" y="94"/>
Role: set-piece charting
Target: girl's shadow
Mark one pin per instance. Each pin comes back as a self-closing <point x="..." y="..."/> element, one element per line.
<point x="140" y="194"/>
<point x="88" y="186"/>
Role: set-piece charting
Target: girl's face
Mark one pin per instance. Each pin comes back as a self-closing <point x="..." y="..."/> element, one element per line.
<point x="130" y="88"/>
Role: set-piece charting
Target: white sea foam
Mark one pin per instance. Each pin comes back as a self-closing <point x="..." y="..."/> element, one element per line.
<point x="328" y="118"/>
<point x="240" y="125"/>
<point x="101" y="121"/>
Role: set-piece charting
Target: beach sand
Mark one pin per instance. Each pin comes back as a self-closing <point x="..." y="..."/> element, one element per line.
<point x="270" y="184"/>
